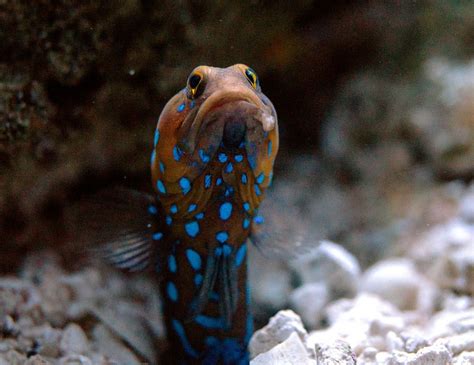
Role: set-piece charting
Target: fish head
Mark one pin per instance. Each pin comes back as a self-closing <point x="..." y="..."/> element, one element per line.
<point x="220" y="110"/>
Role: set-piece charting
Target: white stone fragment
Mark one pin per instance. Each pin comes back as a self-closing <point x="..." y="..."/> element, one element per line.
<point x="465" y="358"/>
<point x="466" y="206"/>
<point x="278" y="329"/>
<point x="309" y="301"/>
<point x="289" y="352"/>
<point x="335" y="353"/>
<point x="37" y="360"/>
<point x="396" y="281"/>
<point x="73" y="340"/>
<point x="431" y="355"/>
<point x="112" y="347"/>
<point x="333" y="265"/>
<point x="459" y="343"/>
<point x="450" y="322"/>
<point x="75" y="360"/>
<point x="361" y="322"/>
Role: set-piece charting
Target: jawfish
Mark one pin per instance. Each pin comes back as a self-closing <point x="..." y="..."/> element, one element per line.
<point x="214" y="149"/>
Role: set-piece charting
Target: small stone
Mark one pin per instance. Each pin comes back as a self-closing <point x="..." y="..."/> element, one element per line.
<point x="450" y="322"/>
<point x="9" y="327"/>
<point x="459" y="343"/>
<point x="109" y="345"/>
<point x="465" y="358"/>
<point x="309" y="301"/>
<point x="73" y="340"/>
<point x="367" y="356"/>
<point x="431" y="355"/>
<point x="338" y="352"/>
<point x="290" y="351"/>
<point x="333" y="265"/>
<point x="394" y="342"/>
<point x="466" y="206"/>
<point x="361" y="322"/>
<point x="413" y="342"/>
<point x="75" y="360"/>
<point x="278" y="329"/>
<point x="396" y="281"/>
<point x="13" y="357"/>
<point x="37" y="360"/>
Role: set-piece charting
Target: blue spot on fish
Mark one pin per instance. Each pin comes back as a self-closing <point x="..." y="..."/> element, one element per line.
<point x="243" y="178"/>
<point x="174" y="208"/>
<point x="226" y="249"/>
<point x="219" y="181"/>
<point x="222" y="236"/>
<point x="157" y="137"/>
<point x="229" y="190"/>
<point x="194" y="259"/>
<point x="177" y="153"/>
<point x="179" y="329"/>
<point x="152" y="210"/>
<point x="246" y="223"/>
<point x="240" y="255"/>
<point x="222" y="157"/>
<point x="260" y="178"/>
<point x="161" y="187"/>
<point x="207" y="181"/>
<point x="198" y="279"/>
<point x="153" y="156"/>
<point x="257" y="190"/>
<point x="162" y="167"/>
<point x="199" y="216"/>
<point x="185" y="185"/>
<point x="269" y="150"/>
<point x="204" y="157"/>
<point x="172" y="291"/>
<point x="157" y="236"/>
<point x="225" y="211"/>
<point x="259" y="219"/>
<point x="246" y="206"/>
<point x="192" y="228"/>
<point x="168" y="220"/>
<point x="181" y="107"/>
<point x="172" y="266"/>
<point x="209" y="322"/>
<point x="229" y="168"/>
<point x="239" y="158"/>
<point x="192" y="208"/>
<point x="218" y="251"/>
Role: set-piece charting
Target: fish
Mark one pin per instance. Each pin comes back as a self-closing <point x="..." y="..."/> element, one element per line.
<point x="214" y="149"/>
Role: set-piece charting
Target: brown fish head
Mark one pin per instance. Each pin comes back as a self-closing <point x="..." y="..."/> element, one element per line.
<point x="220" y="109"/>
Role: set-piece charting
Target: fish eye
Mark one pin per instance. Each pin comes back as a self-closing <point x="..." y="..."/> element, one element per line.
<point x="195" y="84"/>
<point x="252" y="77"/>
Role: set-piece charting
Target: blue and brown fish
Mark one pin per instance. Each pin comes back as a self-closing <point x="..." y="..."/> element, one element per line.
<point x="214" y="150"/>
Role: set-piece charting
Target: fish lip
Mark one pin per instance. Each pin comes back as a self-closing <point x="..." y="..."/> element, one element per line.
<point x="265" y="114"/>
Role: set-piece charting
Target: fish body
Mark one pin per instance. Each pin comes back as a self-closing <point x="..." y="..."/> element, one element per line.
<point x="214" y="149"/>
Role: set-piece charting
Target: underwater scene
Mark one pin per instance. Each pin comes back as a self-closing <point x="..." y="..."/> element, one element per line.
<point x="254" y="182"/>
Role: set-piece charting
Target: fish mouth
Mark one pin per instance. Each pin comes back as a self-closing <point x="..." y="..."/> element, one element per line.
<point x="235" y="112"/>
